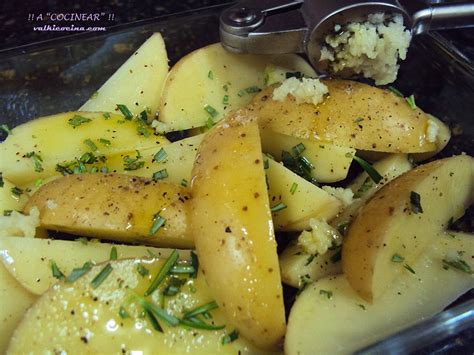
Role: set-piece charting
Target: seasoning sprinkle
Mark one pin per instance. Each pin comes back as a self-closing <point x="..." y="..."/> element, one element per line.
<point x="160" y="156"/>
<point x="160" y="175"/>
<point x="37" y="160"/>
<point x="90" y="144"/>
<point x="55" y="271"/>
<point x="78" y="120"/>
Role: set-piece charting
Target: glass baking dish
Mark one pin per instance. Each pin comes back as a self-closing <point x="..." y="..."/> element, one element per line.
<point x="61" y="74"/>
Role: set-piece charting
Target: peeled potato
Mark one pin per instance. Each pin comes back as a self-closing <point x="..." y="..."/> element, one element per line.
<point x="115" y="207"/>
<point x="233" y="230"/>
<point x="390" y="231"/>
<point x="353" y="115"/>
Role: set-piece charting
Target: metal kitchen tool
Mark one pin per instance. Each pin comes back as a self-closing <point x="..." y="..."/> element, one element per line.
<point x="297" y="26"/>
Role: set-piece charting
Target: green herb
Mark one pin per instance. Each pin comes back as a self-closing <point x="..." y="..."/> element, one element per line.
<point x="158" y="222"/>
<point x="201" y="309"/>
<point x="37" y="160"/>
<point x="411" y="102"/>
<point x="82" y="240"/>
<point x="106" y="115"/>
<point x="143" y="271"/>
<point x="199" y="324"/>
<point x="252" y="89"/>
<point x="151" y="253"/>
<point x="459" y="264"/>
<point x="336" y="257"/>
<point x="184" y="183"/>
<point x="38" y="182"/>
<point x="123" y="312"/>
<point x="159" y="312"/>
<point x="358" y="120"/>
<point x="16" y="191"/>
<point x="174" y="286"/>
<point x="90" y="144"/>
<point x="296" y="74"/>
<point x="369" y="169"/>
<point x="225" y="100"/>
<point x="2" y="183"/>
<point x="144" y="131"/>
<point x="105" y="142"/>
<point x="210" y="75"/>
<point x="160" y="175"/>
<point x="415" y="202"/>
<point x="241" y="93"/>
<point x="125" y="111"/>
<point x="7" y="213"/>
<point x="55" y="270"/>
<point x="395" y="91"/>
<point x="409" y="268"/>
<point x="77" y="120"/>
<point x="160" y="156"/>
<point x="230" y="338"/>
<point x="101" y="276"/>
<point x="210" y="123"/>
<point x="113" y="253"/>
<point x="5" y="128"/>
<point x="133" y="163"/>
<point x="266" y="164"/>
<point x="309" y="260"/>
<point x="298" y="164"/>
<point x="226" y="87"/>
<point x="194" y="263"/>
<point x="169" y="263"/>
<point x="366" y="185"/>
<point x="280" y="206"/>
<point x="326" y="293"/>
<point x="143" y="116"/>
<point x="362" y="306"/>
<point x="294" y="186"/>
<point x="211" y="111"/>
<point x="154" y="322"/>
<point x="76" y="273"/>
<point x="298" y="149"/>
<point x="397" y="258"/>
<point x="94" y="94"/>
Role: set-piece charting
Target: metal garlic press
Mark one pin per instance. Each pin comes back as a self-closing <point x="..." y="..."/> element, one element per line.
<point x="297" y="26"/>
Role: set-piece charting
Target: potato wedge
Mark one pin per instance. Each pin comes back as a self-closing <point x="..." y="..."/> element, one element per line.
<point x="29" y="260"/>
<point x="61" y="138"/>
<point x="213" y="78"/>
<point x="331" y="163"/>
<point x="400" y="220"/>
<point x="138" y="82"/>
<point x="116" y="207"/>
<point x="353" y="115"/>
<point x="330" y="318"/>
<point x="233" y="230"/>
<point x="80" y="318"/>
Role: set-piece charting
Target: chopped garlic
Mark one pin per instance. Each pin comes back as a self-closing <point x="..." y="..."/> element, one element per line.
<point x="160" y="127"/>
<point x="321" y="237"/>
<point x="346" y="196"/>
<point x="19" y="225"/>
<point x="304" y="90"/>
<point x="274" y="75"/>
<point x="432" y="131"/>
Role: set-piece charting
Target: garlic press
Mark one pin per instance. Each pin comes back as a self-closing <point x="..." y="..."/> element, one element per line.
<point x="300" y="26"/>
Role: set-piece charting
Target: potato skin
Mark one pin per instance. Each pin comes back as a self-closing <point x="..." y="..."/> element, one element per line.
<point x="387" y="224"/>
<point x="114" y="206"/>
<point x="353" y="115"/>
<point x="233" y="230"/>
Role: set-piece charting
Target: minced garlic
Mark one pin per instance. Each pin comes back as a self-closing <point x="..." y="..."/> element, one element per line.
<point x="303" y="90"/>
<point x="321" y="237"/>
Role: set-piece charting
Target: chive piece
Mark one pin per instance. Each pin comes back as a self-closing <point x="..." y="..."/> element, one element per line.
<point x="395" y="91"/>
<point x="113" y="253"/>
<point x="209" y="123"/>
<point x="55" y="270"/>
<point x="298" y="149"/>
<point x="366" y="185"/>
<point x="151" y="253"/>
<point x="76" y="273"/>
<point x="106" y="115"/>
<point x="296" y="74"/>
<point x="226" y="87"/>
<point x="77" y="120"/>
<point x="210" y="75"/>
<point x="37" y="160"/>
<point x="38" y="182"/>
<point x="252" y="89"/>
<point x="123" y="313"/>
<point x="7" y="213"/>
<point x="101" y="276"/>
<point x="16" y="191"/>
<point x="82" y="240"/>
<point x="336" y="257"/>
<point x="310" y="259"/>
<point x="154" y="322"/>
<point x="294" y="186"/>
<point x="160" y="175"/>
<point x="280" y="206"/>
<point x="144" y="131"/>
<point x="199" y="324"/>
<point x="211" y="111"/>
<point x="143" y="271"/>
<point x="358" y="120"/>
<point x="266" y="164"/>
<point x="362" y="306"/>
<point x="5" y="128"/>
<point x="369" y="169"/>
<point x="184" y="183"/>
<point x="231" y="337"/>
<point x="326" y="293"/>
<point x="415" y="202"/>
<point x="409" y="268"/>
<point x="104" y="142"/>
<point x="396" y="258"/>
<point x="201" y="309"/>
<point x="143" y="116"/>
<point x="194" y="263"/>
<point x="174" y="286"/>
<point x="225" y="100"/>
<point x="459" y="264"/>
<point x="94" y="94"/>
<point x="241" y="93"/>
<point x="411" y="101"/>
<point x="159" y="312"/>
<point x="125" y="111"/>
<point x="160" y="156"/>
<point x="2" y="183"/>
<point x="90" y="144"/>
<point x="182" y="269"/>
<point x="169" y="263"/>
<point x="133" y="163"/>
<point x="158" y="222"/>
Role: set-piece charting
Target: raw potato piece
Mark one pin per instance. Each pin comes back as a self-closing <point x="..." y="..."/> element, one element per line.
<point x="206" y="75"/>
<point x="137" y="83"/>
<point x="55" y="140"/>
<point x="331" y="163"/>
<point x="353" y="115"/>
<point x="28" y="260"/>
<point x="233" y="230"/>
<point x="305" y="202"/>
<point x="390" y="231"/>
<point x="90" y="317"/>
<point x="343" y="323"/>
<point x="115" y="207"/>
